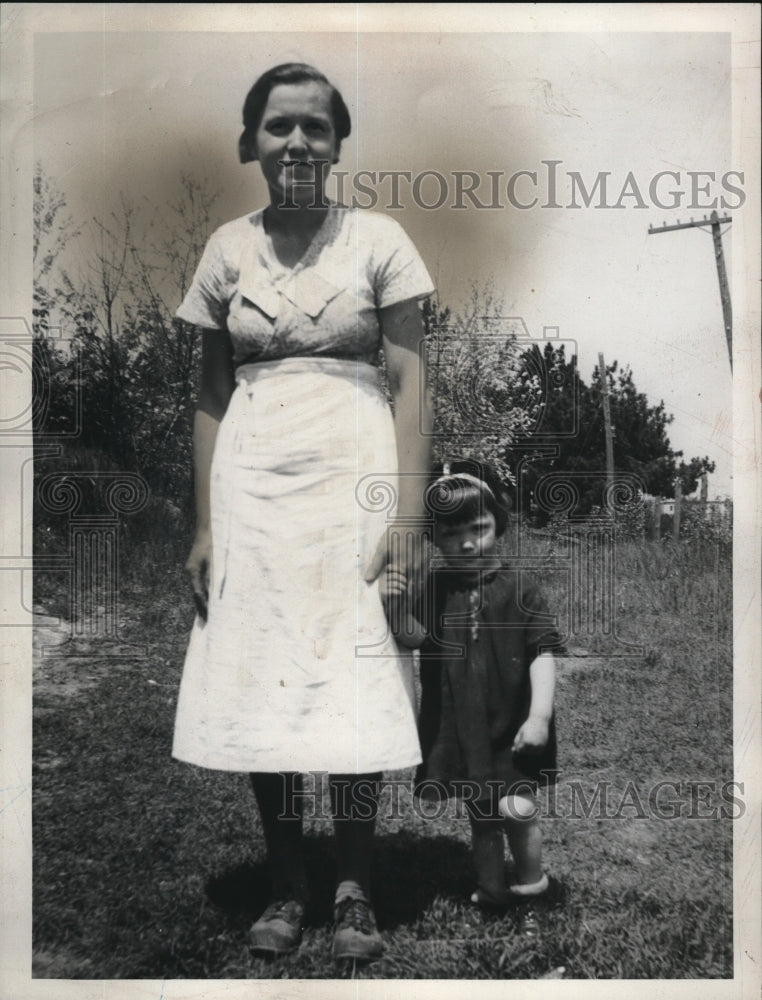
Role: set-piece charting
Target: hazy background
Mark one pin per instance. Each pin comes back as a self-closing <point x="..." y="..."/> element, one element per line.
<point x="125" y="111"/>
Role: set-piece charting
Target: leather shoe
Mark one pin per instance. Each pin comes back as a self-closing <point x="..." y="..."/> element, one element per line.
<point x="279" y="929"/>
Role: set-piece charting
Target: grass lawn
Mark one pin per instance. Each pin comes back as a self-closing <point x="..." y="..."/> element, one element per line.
<point x="147" y="868"/>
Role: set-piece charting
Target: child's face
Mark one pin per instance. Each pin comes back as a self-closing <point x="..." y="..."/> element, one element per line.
<point x="475" y="537"/>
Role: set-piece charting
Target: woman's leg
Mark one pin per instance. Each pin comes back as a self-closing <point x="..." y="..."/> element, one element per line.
<point x="354" y="801"/>
<point x="280" y="805"/>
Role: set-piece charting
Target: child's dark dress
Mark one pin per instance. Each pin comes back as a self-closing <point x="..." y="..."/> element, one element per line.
<point x="485" y="631"/>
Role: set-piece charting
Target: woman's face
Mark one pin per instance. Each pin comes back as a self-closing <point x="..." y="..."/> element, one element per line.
<point x="296" y="142"/>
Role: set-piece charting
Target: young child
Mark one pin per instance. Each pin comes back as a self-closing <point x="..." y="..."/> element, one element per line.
<point x="487" y="675"/>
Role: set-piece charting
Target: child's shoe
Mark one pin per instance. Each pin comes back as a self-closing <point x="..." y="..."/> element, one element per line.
<point x="486" y="901"/>
<point x="526" y="898"/>
<point x="528" y="923"/>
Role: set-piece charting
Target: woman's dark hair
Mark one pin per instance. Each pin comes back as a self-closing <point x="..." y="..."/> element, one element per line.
<point x="463" y="490"/>
<point x="256" y="101"/>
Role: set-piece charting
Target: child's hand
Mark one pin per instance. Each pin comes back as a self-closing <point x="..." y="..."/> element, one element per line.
<point x="393" y="583"/>
<point x="394" y="589"/>
<point x="533" y="735"/>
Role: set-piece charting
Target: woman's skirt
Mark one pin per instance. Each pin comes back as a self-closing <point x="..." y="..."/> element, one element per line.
<point x="295" y="668"/>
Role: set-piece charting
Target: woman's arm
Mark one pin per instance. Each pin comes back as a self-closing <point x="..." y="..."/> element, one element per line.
<point x="402" y="332"/>
<point x="533" y="735"/>
<point x="217" y="385"/>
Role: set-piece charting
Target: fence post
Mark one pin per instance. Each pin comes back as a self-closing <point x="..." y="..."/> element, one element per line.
<point x="653" y="519"/>
<point x="590" y="559"/>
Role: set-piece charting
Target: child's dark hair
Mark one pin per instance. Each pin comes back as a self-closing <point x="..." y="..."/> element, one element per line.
<point x="461" y="490"/>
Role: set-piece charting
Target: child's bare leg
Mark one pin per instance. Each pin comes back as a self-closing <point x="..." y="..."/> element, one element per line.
<point x="525" y="841"/>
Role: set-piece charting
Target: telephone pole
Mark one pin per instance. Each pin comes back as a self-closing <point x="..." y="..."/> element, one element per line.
<point x="607" y="421"/>
<point x="715" y="222"/>
<point x="678" y="509"/>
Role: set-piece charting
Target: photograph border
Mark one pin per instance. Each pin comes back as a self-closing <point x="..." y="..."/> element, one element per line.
<point x="19" y="23"/>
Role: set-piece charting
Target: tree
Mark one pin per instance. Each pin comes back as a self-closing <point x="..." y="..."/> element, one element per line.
<point x="52" y="230"/>
<point x="485" y="397"/>
<point x="131" y="363"/>
<point x="571" y="422"/>
<point x="54" y="390"/>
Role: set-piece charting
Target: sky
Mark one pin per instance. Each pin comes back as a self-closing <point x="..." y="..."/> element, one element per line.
<point x="127" y="112"/>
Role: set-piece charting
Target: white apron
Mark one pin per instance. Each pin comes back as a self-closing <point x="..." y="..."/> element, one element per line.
<point x="295" y="669"/>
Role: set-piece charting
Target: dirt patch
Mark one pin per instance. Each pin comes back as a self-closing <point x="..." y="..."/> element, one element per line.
<point x="59" y="964"/>
<point x="65" y="666"/>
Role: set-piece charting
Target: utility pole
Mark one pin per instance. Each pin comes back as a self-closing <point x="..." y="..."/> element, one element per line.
<point x="678" y="508"/>
<point x="715" y="222"/>
<point x="606" y="421"/>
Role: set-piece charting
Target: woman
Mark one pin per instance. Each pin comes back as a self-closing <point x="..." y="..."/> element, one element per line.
<point x="290" y="666"/>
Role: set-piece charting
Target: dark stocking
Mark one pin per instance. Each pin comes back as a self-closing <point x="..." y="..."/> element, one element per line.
<point x="354" y="802"/>
<point x="488" y="847"/>
<point x="280" y="806"/>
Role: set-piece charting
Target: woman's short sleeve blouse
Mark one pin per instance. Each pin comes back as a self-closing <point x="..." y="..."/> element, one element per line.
<point x="358" y="262"/>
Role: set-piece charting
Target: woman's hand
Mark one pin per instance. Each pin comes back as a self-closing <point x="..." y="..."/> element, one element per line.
<point x="379" y="561"/>
<point x="217" y="386"/>
<point x="401" y="547"/>
<point x="198" y="566"/>
<point x="403" y="541"/>
<point x="533" y="735"/>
